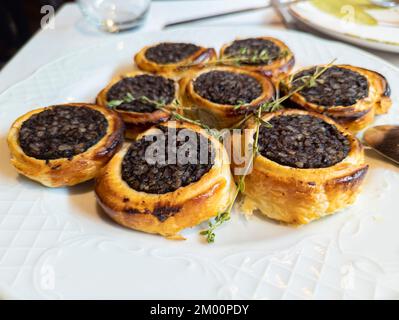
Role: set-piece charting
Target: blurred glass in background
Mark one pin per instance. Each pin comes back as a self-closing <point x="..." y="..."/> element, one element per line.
<point x="115" y="15"/>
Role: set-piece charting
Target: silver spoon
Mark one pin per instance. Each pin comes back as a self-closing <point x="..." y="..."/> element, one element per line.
<point x="386" y="4"/>
<point x="385" y="140"/>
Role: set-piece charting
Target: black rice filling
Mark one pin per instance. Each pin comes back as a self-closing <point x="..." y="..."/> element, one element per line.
<point x="335" y="87"/>
<point x="255" y="51"/>
<point x="155" y="88"/>
<point x="229" y="88"/>
<point x="61" y="132"/>
<point x="302" y="141"/>
<point x="170" y="52"/>
<point x="169" y="171"/>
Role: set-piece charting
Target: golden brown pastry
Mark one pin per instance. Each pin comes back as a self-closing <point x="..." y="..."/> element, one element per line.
<point x="222" y="96"/>
<point x="308" y="167"/>
<point x="64" y="145"/>
<point x="266" y="55"/>
<point x="173" y="59"/>
<point x="126" y="95"/>
<point x="146" y="194"/>
<point x="350" y="95"/>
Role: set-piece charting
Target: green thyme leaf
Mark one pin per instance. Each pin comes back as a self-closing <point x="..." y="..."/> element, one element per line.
<point x="129" y="97"/>
<point x="239" y="105"/>
<point x="114" y="103"/>
<point x="266" y="124"/>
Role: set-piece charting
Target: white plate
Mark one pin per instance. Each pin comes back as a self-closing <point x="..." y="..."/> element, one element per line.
<point x="57" y="243"/>
<point x="376" y="37"/>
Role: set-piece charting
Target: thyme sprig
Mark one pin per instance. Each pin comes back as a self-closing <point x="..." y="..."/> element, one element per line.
<point x="272" y="106"/>
<point x="245" y="56"/>
<point x="175" y="109"/>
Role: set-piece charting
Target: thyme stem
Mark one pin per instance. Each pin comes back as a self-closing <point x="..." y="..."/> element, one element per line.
<point x="270" y="106"/>
<point x="163" y="106"/>
<point x="266" y="107"/>
<point x="243" y="57"/>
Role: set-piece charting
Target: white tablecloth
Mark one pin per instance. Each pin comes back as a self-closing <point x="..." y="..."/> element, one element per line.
<point x="72" y="32"/>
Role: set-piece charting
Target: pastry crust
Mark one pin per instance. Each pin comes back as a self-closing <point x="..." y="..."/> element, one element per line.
<point x="136" y="122"/>
<point x="277" y="70"/>
<point x="299" y="196"/>
<point x="361" y="114"/>
<point x="176" y="70"/>
<point x="67" y="172"/>
<point x="221" y="115"/>
<point x="191" y="205"/>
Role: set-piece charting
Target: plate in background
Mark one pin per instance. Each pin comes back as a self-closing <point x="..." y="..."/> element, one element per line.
<point x="378" y="37"/>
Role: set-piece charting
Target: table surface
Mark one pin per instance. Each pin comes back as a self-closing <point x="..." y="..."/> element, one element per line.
<point x="72" y="32"/>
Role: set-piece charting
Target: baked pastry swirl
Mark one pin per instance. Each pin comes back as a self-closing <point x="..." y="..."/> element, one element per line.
<point x="125" y="95"/>
<point x="266" y="55"/>
<point x="64" y="145"/>
<point x="173" y="59"/>
<point x="350" y="95"/>
<point x="308" y="167"/>
<point x="166" y="194"/>
<point x="222" y="96"/>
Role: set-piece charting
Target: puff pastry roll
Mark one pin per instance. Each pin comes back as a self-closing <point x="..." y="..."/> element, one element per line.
<point x="350" y="95"/>
<point x="266" y="55"/>
<point x="134" y="96"/>
<point x="222" y="96"/>
<point x="64" y="145"/>
<point x="173" y="59"/>
<point x="164" y="192"/>
<point x="307" y="167"/>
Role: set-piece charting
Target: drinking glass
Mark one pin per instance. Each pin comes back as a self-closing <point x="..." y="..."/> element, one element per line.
<point x="115" y="15"/>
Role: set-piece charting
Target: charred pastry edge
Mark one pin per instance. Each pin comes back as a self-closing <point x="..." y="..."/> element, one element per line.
<point x="359" y="115"/>
<point x="222" y="115"/>
<point x="278" y="70"/>
<point x="386" y="91"/>
<point x="166" y="214"/>
<point x="63" y="171"/>
<point x="298" y="196"/>
<point x="136" y="122"/>
<point x="175" y="70"/>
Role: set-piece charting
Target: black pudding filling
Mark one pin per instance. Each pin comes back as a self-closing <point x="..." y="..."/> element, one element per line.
<point x="302" y="141"/>
<point x="266" y="51"/>
<point x="155" y="88"/>
<point x="170" y="52"/>
<point x="61" y="132"/>
<point x="335" y="87"/>
<point x="181" y="158"/>
<point x="225" y="87"/>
